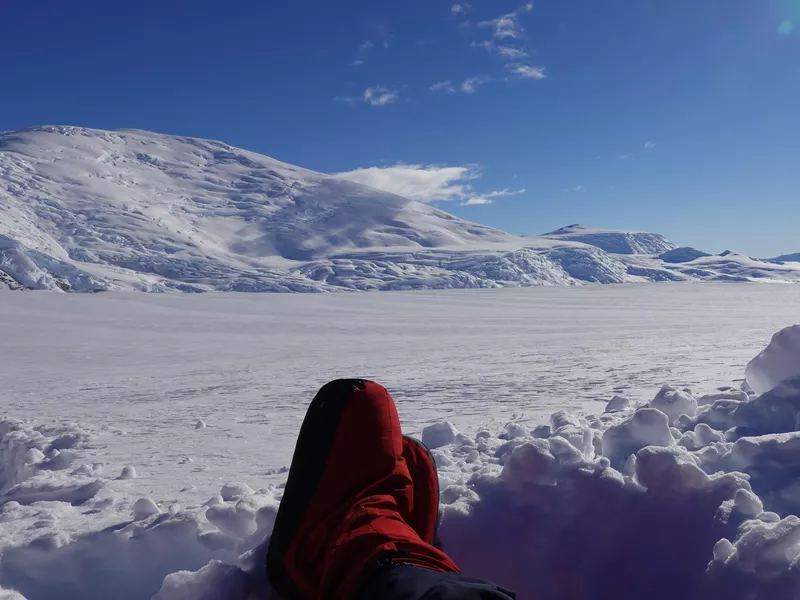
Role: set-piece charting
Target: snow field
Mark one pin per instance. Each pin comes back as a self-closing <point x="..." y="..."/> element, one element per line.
<point x="671" y="493"/>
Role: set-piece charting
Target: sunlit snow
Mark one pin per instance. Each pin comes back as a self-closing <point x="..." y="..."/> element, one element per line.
<point x="145" y="438"/>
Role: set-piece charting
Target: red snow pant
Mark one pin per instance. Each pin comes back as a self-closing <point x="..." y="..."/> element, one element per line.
<point x="352" y="510"/>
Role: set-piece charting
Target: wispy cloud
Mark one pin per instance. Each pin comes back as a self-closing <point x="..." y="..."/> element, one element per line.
<point x="504" y="51"/>
<point x="510" y="53"/>
<point x="460" y="9"/>
<point x="625" y="156"/>
<point x="469" y="85"/>
<point x="443" y="86"/>
<point x="506" y="192"/>
<point x="527" y="71"/>
<point x="362" y="51"/>
<point x="576" y="188"/>
<point x="508" y="26"/>
<point x="649" y="145"/>
<point x="427" y="183"/>
<point x="477" y="201"/>
<point x="374" y="96"/>
<point x="380" y="96"/>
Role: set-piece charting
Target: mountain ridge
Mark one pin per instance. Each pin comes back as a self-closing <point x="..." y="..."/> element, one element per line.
<point x="92" y="210"/>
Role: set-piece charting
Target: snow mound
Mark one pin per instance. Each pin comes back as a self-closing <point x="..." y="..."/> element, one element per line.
<point x="614" y="241"/>
<point x="682" y="255"/>
<point x="779" y="360"/>
<point x="674" y="403"/>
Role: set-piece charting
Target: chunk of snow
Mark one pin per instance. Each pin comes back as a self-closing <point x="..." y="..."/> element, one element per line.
<point x="646" y="427"/>
<point x="439" y="434"/>
<point x="128" y="472"/>
<point x="617" y="404"/>
<point x="234" y="491"/>
<point x="779" y="361"/>
<point x="674" y="403"/>
<point x="144" y="508"/>
<point x="776" y="411"/>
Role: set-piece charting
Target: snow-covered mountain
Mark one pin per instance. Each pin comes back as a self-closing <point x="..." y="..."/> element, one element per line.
<point x="614" y="241"/>
<point x="92" y="210"/>
<point x="787" y="258"/>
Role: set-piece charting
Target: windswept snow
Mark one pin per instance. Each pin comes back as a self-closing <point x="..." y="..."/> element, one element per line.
<point x="91" y="210"/>
<point x="109" y="488"/>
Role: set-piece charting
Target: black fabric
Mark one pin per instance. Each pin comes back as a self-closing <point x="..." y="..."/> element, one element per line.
<point x="405" y="582"/>
<point x="308" y="465"/>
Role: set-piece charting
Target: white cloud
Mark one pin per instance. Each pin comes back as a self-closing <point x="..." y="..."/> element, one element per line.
<point x="443" y="86"/>
<point x="477" y="201"/>
<point x="357" y="63"/>
<point x="374" y="96"/>
<point x="625" y="156"/>
<point x="508" y="26"/>
<point x="576" y="188"/>
<point x="527" y="71"/>
<point x="506" y="192"/>
<point x="366" y="46"/>
<point x="649" y="145"/>
<point x="469" y="85"/>
<point x="510" y="53"/>
<point x="426" y="183"/>
<point x="380" y="96"/>
<point x="458" y="9"/>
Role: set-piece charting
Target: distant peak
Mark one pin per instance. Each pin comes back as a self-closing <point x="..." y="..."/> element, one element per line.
<point x="568" y="229"/>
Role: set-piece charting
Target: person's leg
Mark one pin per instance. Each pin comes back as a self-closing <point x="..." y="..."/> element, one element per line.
<point x="342" y="513"/>
<point x="402" y="582"/>
<point x="424" y="512"/>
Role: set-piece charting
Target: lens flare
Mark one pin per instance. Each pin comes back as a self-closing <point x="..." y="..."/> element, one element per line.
<point x="786" y="27"/>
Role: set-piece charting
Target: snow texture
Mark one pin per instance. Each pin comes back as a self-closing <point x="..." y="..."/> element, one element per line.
<point x="88" y="210"/>
<point x="627" y="504"/>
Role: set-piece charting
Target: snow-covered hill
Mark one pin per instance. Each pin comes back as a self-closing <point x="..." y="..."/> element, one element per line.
<point x="614" y="241"/>
<point x="787" y="258"/>
<point x="93" y="210"/>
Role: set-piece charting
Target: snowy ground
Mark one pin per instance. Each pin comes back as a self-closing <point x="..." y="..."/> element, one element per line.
<point x="114" y="380"/>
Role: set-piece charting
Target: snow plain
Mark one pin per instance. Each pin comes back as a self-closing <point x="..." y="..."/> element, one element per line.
<point x="195" y="393"/>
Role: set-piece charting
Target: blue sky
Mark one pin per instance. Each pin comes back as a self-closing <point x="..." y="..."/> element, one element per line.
<point x="681" y="117"/>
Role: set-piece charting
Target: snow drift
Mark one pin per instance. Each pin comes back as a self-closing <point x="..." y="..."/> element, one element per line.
<point x="685" y="496"/>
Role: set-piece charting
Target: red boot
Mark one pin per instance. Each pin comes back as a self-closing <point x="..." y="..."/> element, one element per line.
<point x="424" y="514"/>
<point x="349" y="498"/>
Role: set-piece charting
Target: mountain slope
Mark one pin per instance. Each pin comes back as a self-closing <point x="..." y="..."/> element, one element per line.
<point x="179" y="207"/>
<point x="614" y="241"/>
<point x="786" y="258"/>
<point x="92" y="210"/>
